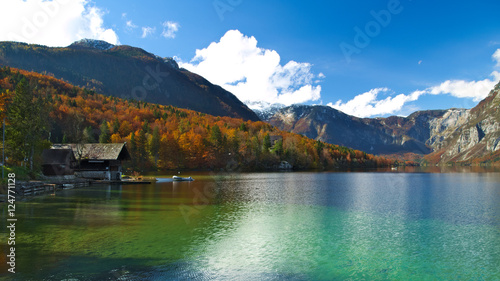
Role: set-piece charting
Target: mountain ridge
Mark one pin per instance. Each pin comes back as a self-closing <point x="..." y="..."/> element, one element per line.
<point x="92" y="44"/>
<point x="126" y="72"/>
<point x="380" y="135"/>
<point x="476" y="137"/>
<point x="442" y="136"/>
<point x="165" y="137"/>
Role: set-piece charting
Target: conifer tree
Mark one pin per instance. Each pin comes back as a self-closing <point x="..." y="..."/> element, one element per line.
<point x="105" y="136"/>
<point x="88" y="135"/>
<point x="216" y="136"/>
<point x="267" y="143"/>
<point x="116" y="125"/>
<point x="28" y="126"/>
<point x="155" y="145"/>
<point x="141" y="149"/>
<point x="278" y="147"/>
<point x="133" y="149"/>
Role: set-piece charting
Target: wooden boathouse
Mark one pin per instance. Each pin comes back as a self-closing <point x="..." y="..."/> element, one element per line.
<point x="58" y="162"/>
<point x="99" y="161"/>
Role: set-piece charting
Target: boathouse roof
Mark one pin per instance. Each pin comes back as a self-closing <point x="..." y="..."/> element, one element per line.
<point x="57" y="156"/>
<point x="97" y="151"/>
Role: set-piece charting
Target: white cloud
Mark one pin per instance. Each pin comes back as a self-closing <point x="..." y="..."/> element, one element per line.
<point x="170" y="28"/>
<point x="368" y="104"/>
<point x="53" y="23"/>
<point x="254" y="74"/>
<point x="130" y="24"/>
<point x="146" y="31"/>
<point x="496" y="57"/>
<point x="476" y="90"/>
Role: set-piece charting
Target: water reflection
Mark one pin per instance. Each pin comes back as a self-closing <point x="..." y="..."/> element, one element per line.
<point x="370" y="224"/>
<point x="388" y="225"/>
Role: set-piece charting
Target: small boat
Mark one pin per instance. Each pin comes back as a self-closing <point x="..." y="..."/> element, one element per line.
<point x="177" y="178"/>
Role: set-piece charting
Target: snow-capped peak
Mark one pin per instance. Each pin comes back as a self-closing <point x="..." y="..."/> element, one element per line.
<point x="264" y="110"/>
<point x="93" y="44"/>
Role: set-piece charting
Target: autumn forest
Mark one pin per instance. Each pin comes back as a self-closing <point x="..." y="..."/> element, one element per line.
<point x="42" y="110"/>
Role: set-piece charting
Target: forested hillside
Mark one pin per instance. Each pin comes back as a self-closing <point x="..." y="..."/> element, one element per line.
<point x="125" y="72"/>
<point x="158" y="137"/>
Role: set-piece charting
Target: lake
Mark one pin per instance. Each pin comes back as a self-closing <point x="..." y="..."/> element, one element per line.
<point x="386" y="225"/>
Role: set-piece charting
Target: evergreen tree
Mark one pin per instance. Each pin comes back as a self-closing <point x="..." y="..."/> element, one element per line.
<point x="319" y="147"/>
<point x="155" y="145"/>
<point x="278" y="147"/>
<point x="256" y="147"/>
<point x="216" y="136"/>
<point x="141" y="149"/>
<point x="133" y="149"/>
<point x="28" y="125"/>
<point x="267" y="143"/>
<point x="105" y="136"/>
<point x="116" y="126"/>
<point x="243" y="127"/>
<point x="88" y="135"/>
<point x="145" y="127"/>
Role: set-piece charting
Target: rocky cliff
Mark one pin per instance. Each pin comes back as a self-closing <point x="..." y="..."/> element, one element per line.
<point x="457" y="135"/>
<point x="476" y="134"/>
<point x="379" y="135"/>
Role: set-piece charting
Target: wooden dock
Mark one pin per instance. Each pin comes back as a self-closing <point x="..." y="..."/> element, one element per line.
<point x="33" y="188"/>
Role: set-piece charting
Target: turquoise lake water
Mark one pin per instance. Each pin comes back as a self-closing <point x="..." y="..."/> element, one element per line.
<point x="265" y="226"/>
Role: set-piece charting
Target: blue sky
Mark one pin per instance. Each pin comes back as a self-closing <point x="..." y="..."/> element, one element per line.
<point x="366" y="58"/>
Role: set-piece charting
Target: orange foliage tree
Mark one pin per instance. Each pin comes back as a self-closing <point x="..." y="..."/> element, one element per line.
<point x="185" y="139"/>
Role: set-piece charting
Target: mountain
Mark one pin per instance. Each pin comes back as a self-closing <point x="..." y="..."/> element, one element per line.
<point x="379" y="136"/>
<point x="265" y="110"/>
<point x="125" y="72"/>
<point x="92" y="44"/>
<point x="475" y="136"/>
<point x="453" y="135"/>
<point x="158" y="137"/>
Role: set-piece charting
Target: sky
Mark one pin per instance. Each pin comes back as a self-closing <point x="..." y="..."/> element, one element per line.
<point x="366" y="58"/>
